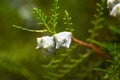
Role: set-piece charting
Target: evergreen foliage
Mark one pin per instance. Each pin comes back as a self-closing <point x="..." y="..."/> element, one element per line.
<point x="73" y="63"/>
<point x="111" y="72"/>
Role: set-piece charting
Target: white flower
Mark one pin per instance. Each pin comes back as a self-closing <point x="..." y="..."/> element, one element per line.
<point x="49" y="44"/>
<point x="115" y="10"/>
<point x="46" y="43"/>
<point x="63" y="39"/>
<point x="111" y="3"/>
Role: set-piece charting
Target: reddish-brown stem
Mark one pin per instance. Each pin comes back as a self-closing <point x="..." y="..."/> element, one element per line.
<point x="93" y="47"/>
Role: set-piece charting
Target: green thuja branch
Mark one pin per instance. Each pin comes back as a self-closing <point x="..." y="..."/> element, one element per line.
<point x="111" y="71"/>
<point x="98" y="22"/>
<point x="63" y="65"/>
<point x="50" y="22"/>
<point x="54" y="16"/>
<point x="67" y="21"/>
<point x="55" y="65"/>
<point x="43" y="18"/>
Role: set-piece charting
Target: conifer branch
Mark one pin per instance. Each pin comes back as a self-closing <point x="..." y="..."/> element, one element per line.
<point x="93" y="47"/>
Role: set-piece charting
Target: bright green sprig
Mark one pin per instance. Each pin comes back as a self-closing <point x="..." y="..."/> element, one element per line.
<point x="67" y="21"/>
<point x="26" y="29"/>
<point x="54" y="16"/>
<point x="43" y="18"/>
<point x="50" y="22"/>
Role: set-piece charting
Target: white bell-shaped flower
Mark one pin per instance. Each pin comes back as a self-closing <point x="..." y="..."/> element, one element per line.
<point x="115" y="10"/>
<point x="63" y="39"/>
<point x="46" y="43"/>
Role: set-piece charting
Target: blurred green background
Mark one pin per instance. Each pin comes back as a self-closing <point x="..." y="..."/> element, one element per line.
<point x="19" y="60"/>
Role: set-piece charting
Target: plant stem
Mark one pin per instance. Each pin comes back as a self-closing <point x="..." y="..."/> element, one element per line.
<point x="93" y="47"/>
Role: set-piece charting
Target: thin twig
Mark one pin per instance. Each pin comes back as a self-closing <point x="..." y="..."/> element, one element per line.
<point x="26" y="29"/>
<point x="93" y="47"/>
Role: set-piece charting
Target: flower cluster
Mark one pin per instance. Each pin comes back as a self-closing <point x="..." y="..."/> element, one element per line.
<point x="114" y="6"/>
<point x="51" y="43"/>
